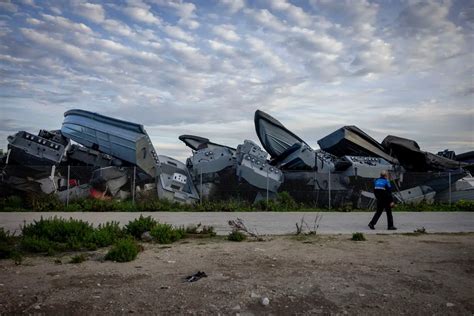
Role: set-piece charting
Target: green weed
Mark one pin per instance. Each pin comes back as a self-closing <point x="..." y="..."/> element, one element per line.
<point x="166" y="234"/>
<point x="236" y="236"/>
<point x="358" y="237"/>
<point x="123" y="250"/>
<point x="140" y="225"/>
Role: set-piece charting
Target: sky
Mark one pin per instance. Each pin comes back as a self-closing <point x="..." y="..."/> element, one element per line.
<point x="400" y="68"/>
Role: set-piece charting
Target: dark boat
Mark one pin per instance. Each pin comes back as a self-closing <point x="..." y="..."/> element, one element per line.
<point x="288" y="151"/>
<point x="352" y="141"/>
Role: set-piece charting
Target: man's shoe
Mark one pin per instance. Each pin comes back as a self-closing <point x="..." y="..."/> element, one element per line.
<point x="392" y="228"/>
<point x="371" y="226"/>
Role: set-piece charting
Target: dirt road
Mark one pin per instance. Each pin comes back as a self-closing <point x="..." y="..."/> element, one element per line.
<point x="385" y="275"/>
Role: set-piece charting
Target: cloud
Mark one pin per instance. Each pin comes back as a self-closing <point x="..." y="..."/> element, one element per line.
<point x="117" y="27"/>
<point x="427" y="35"/>
<point x="178" y="33"/>
<point x="263" y="52"/>
<point x="185" y="11"/>
<point x="226" y="32"/>
<point x="311" y="40"/>
<point x="375" y="57"/>
<point x="141" y="13"/>
<point x="221" y="47"/>
<point x="179" y="67"/>
<point x="294" y="13"/>
<point x="233" y="6"/>
<point x="8" y="6"/>
<point x="63" y="23"/>
<point x="189" y="55"/>
<point x="266" y="19"/>
<point x="54" y="44"/>
<point x="91" y="11"/>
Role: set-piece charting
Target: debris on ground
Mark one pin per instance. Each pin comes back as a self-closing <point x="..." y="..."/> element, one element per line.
<point x="196" y="276"/>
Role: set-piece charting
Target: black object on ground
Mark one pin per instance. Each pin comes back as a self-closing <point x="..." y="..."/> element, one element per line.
<point x="196" y="276"/>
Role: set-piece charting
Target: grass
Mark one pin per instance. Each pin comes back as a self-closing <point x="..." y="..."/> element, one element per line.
<point x="55" y="235"/>
<point x="236" y="236"/>
<point x="200" y="230"/>
<point x="124" y="250"/>
<point x="166" y="234"/>
<point x="358" y="237"/>
<point x="282" y="203"/>
<point x="140" y="225"/>
<point x="58" y="235"/>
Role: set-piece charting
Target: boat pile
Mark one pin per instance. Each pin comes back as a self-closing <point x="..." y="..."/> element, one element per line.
<point x="93" y="155"/>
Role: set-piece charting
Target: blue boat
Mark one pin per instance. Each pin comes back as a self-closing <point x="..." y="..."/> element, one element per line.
<point x="124" y="140"/>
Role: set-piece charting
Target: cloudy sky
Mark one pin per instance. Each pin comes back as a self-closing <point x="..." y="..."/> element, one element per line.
<point x="390" y="67"/>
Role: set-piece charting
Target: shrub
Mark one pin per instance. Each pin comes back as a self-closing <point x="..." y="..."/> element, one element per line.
<point x="44" y="203"/>
<point x="283" y="203"/>
<point x="4" y="235"/>
<point x="36" y="244"/>
<point x="199" y="229"/>
<point x="105" y="235"/>
<point x="7" y="244"/>
<point x="123" y="250"/>
<point x="286" y="202"/>
<point x="11" y="203"/>
<point x="60" y="230"/>
<point x="464" y="206"/>
<point x="236" y="235"/>
<point x="358" y="237"/>
<point x="166" y="234"/>
<point x="208" y="230"/>
<point x="140" y="225"/>
<point x="78" y="258"/>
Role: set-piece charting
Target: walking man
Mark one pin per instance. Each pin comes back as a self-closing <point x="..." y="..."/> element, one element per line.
<point x="383" y="194"/>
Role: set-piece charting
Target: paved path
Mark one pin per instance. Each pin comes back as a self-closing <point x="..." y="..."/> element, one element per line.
<point x="274" y="223"/>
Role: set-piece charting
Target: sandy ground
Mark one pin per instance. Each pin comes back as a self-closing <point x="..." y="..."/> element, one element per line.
<point x="330" y="274"/>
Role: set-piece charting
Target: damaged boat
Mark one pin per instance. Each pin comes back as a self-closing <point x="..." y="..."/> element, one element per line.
<point x="94" y="155"/>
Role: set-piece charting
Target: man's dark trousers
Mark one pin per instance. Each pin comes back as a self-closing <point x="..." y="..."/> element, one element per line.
<point x="383" y="203"/>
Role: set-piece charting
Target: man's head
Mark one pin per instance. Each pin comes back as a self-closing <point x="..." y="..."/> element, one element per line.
<point x="384" y="174"/>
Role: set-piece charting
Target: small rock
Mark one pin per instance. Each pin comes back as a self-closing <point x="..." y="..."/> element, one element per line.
<point x="146" y="237"/>
<point x="37" y="307"/>
<point x="164" y="287"/>
<point x="265" y="301"/>
<point x="98" y="284"/>
<point x="449" y="305"/>
<point x="254" y="295"/>
<point x="96" y="296"/>
<point x="361" y="295"/>
<point x="171" y="261"/>
<point x="1" y="284"/>
<point x="236" y="308"/>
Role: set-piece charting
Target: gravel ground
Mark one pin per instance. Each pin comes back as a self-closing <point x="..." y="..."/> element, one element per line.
<point x="326" y="274"/>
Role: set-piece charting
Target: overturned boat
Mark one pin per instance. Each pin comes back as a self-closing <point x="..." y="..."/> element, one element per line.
<point x="352" y="141"/>
<point x="288" y="151"/>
